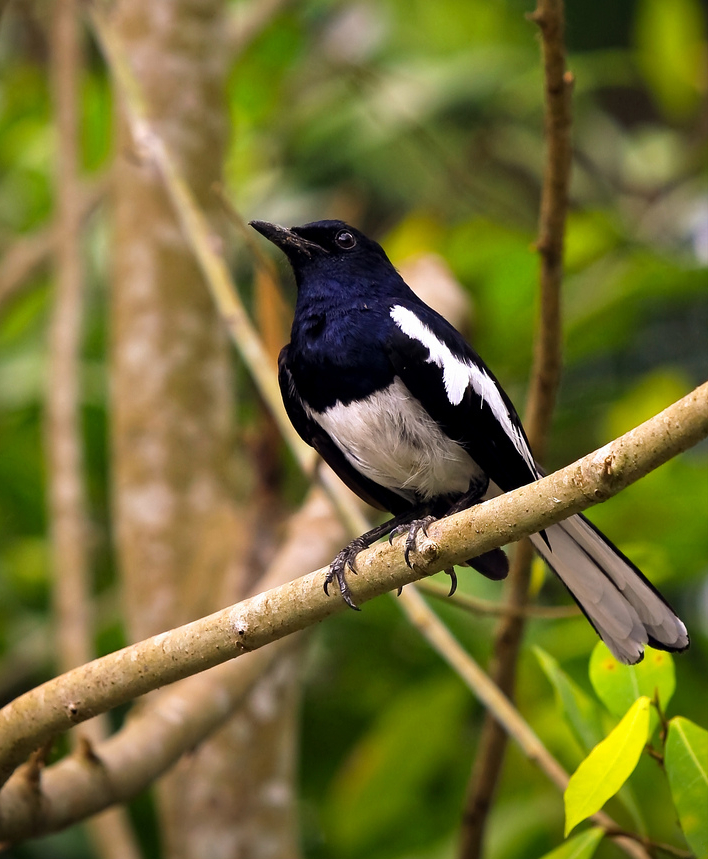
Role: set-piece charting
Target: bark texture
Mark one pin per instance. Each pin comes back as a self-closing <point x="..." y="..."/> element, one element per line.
<point x="171" y="385"/>
<point x="179" y="533"/>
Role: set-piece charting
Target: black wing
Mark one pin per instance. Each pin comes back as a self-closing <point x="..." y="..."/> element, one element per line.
<point x="312" y="433"/>
<point x="481" y="417"/>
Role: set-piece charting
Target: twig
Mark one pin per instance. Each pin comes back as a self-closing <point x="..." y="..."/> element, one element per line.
<point x="65" y="701"/>
<point x="28" y="253"/>
<point x="545" y="378"/>
<point x="481" y="606"/>
<point x="651" y="845"/>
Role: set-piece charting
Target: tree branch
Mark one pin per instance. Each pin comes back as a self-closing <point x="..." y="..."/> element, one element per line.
<point x="40" y="714"/>
<point x="174" y="722"/>
<point x="475" y="605"/>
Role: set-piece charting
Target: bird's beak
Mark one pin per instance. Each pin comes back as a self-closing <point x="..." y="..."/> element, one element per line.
<point x="287" y="240"/>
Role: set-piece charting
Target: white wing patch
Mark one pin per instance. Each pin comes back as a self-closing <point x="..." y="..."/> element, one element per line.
<point x="458" y="374"/>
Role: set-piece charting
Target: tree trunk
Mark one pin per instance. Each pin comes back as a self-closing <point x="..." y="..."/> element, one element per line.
<point x="179" y="534"/>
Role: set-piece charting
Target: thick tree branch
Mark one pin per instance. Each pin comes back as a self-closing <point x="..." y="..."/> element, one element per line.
<point x="158" y="733"/>
<point x="545" y="378"/>
<point x="40" y="714"/>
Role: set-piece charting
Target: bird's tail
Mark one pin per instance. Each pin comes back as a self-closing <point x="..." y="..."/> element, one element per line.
<point x="623" y="606"/>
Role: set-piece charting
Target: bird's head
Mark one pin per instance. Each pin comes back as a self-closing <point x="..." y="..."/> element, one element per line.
<point x="326" y="247"/>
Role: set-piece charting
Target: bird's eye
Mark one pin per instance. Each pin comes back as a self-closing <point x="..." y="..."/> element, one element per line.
<point x="345" y="239"/>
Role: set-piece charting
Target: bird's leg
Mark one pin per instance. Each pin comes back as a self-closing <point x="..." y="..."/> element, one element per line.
<point x="346" y="557"/>
<point x="473" y="495"/>
<point x="493" y="564"/>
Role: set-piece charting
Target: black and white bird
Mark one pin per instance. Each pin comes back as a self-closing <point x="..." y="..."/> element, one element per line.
<point x="412" y="420"/>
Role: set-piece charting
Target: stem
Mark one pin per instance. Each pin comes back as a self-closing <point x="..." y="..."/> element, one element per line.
<point x="545" y="378"/>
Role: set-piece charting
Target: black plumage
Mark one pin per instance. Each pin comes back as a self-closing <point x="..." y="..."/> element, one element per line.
<point x="412" y="420"/>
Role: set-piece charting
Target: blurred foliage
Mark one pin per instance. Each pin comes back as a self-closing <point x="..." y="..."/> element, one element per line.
<point x="421" y="123"/>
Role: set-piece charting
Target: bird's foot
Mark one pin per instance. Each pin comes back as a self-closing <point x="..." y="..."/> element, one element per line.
<point x="346" y="557"/>
<point x="411" y="530"/>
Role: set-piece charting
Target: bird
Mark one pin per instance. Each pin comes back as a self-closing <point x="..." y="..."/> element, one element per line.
<point x="409" y="416"/>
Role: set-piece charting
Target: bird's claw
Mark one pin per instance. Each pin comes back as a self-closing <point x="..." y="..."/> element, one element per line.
<point x="346" y="557"/>
<point x="412" y="530"/>
<point x="453" y="580"/>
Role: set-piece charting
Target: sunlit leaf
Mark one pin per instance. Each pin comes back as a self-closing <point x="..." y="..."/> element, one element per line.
<point x="619" y="685"/>
<point x="686" y="761"/>
<point x="669" y="37"/>
<point x="581" y="846"/>
<point x="608" y="766"/>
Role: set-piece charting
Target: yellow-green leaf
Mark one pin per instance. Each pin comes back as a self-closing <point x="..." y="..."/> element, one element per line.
<point x="686" y="761"/>
<point x="581" y="846"/>
<point x="670" y="38"/>
<point x="617" y="685"/>
<point x="608" y="766"/>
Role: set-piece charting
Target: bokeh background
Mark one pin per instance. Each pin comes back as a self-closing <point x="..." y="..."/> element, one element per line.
<point x="422" y="124"/>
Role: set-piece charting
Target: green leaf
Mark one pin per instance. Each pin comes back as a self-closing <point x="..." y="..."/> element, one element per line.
<point x="669" y="37"/>
<point x="617" y="685"/>
<point x="581" y="846"/>
<point x="579" y="710"/>
<point x="686" y="762"/>
<point x="608" y="766"/>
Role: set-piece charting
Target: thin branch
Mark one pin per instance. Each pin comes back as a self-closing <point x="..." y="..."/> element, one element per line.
<point x="549" y="16"/>
<point x="545" y="378"/>
<point x="72" y="583"/>
<point x="475" y="605"/>
<point x="65" y="701"/>
<point x="22" y="259"/>
<point x="117" y="769"/>
<point x="67" y="498"/>
<point x="651" y="845"/>
<point x="504" y="712"/>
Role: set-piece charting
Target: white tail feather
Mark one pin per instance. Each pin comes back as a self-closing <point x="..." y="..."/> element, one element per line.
<point x="620" y="603"/>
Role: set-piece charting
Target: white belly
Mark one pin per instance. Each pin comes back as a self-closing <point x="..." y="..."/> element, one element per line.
<point x="391" y="439"/>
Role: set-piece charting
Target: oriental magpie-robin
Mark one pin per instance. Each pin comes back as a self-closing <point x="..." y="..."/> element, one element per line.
<point x="413" y="421"/>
